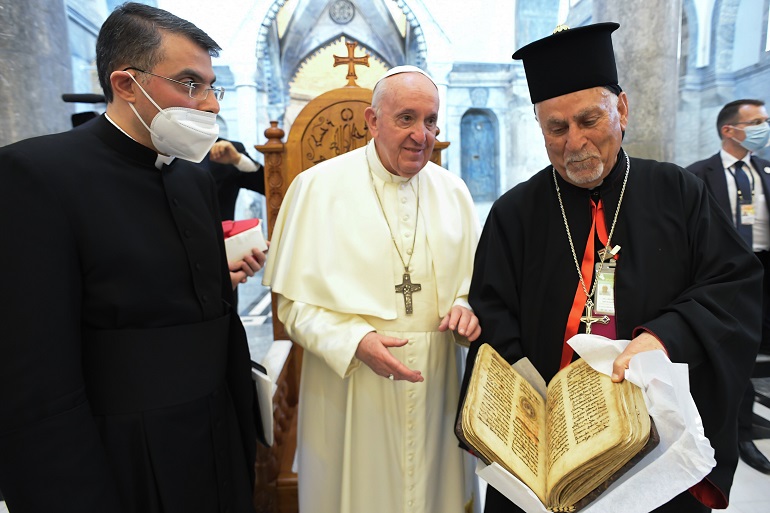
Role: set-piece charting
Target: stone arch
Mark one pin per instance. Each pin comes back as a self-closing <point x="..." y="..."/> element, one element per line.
<point x="290" y="74"/>
<point x="417" y="48"/>
<point x="276" y="67"/>
<point x="417" y="37"/>
<point x="268" y="61"/>
<point x="723" y="37"/>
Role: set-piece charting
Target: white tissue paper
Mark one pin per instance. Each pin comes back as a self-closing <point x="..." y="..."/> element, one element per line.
<point x="682" y="459"/>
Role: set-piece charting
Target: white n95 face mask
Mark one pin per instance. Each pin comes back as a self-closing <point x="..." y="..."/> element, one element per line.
<point x="181" y="132"/>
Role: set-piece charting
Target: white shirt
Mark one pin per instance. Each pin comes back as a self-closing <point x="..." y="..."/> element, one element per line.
<point x="761" y="229"/>
<point x="246" y="165"/>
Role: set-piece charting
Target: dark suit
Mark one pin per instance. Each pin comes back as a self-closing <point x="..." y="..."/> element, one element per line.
<point x="230" y="180"/>
<point x="712" y="172"/>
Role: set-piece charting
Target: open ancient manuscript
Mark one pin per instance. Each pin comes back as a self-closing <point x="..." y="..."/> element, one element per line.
<point x="567" y="447"/>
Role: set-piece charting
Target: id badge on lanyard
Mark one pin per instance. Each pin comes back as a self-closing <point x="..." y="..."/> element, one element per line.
<point x="747" y="213"/>
<point x="605" y="288"/>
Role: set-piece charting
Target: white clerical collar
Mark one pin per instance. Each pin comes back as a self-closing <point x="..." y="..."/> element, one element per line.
<point x="728" y="160"/>
<point x="162" y="159"/>
<point x="378" y="170"/>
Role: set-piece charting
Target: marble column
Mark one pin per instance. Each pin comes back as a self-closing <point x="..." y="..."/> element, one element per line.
<point x="246" y="92"/>
<point x="35" y="69"/>
<point x="646" y="47"/>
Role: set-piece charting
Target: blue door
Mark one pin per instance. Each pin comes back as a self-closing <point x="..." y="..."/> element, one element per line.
<point x="480" y="154"/>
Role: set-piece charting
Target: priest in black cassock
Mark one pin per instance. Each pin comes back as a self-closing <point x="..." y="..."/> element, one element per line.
<point x="233" y="169"/>
<point x="125" y="381"/>
<point x="675" y="275"/>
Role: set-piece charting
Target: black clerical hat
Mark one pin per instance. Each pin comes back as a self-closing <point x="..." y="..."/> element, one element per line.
<point x="570" y="60"/>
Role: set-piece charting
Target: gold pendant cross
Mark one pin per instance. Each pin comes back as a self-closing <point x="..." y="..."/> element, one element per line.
<point x="406" y="288"/>
<point x="589" y="319"/>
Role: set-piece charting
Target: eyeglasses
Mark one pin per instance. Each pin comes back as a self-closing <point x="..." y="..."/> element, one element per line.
<point x="196" y="91"/>
<point x="753" y="122"/>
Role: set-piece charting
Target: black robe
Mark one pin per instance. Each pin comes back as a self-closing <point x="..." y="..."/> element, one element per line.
<point x="230" y="180"/>
<point x="683" y="274"/>
<point x="124" y="380"/>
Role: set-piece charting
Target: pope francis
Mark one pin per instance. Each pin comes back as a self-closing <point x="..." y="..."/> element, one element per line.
<point x="371" y="261"/>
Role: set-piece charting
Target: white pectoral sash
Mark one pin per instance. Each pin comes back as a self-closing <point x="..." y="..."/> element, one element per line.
<point x="452" y="231"/>
<point x="332" y="248"/>
<point x="329" y="251"/>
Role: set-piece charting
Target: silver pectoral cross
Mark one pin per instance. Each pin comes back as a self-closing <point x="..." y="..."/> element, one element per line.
<point x="589" y="318"/>
<point x="406" y="288"/>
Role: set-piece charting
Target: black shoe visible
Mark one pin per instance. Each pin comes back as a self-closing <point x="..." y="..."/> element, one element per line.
<point x="752" y="457"/>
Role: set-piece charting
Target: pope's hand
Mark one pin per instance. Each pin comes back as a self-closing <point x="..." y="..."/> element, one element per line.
<point x="643" y="342"/>
<point x="373" y="351"/>
<point x="462" y="320"/>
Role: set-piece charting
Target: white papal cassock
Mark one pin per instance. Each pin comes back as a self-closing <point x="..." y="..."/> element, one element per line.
<point x="365" y="443"/>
